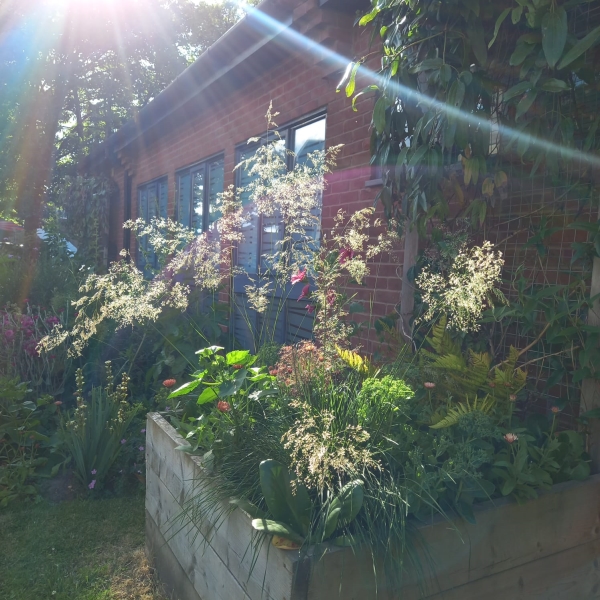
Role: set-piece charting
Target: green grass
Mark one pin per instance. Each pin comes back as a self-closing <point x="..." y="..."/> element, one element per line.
<point x="88" y="550"/>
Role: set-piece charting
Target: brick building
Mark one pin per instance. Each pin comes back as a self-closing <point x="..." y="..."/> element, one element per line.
<point x="183" y="147"/>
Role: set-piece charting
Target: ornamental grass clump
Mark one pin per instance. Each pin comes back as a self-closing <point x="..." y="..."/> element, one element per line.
<point x="95" y="431"/>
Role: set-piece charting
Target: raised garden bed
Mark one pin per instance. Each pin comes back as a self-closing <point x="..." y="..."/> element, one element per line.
<point x="548" y="548"/>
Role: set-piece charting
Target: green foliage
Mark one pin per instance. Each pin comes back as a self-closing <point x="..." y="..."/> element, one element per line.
<point x="289" y="504"/>
<point x="450" y="74"/>
<point x="94" y="434"/>
<point x="26" y="442"/>
<point x="455" y="414"/>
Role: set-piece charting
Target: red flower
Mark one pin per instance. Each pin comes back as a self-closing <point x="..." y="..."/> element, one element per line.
<point x="58" y="403"/>
<point x="310" y="309"/>
<point x="555" y="410"/>
<point x="305" y="292"/>
<point x="298" y="277"/>
<point x="346" y="254"/>
<point x="237" y="366"/>
<point x="169" y="383"/>
<point x="223" y="406"/>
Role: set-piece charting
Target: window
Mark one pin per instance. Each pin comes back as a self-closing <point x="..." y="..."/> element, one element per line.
<point x="290" y="322"/>
<point x="198" y="188"/>
<point x="152" y="202"/>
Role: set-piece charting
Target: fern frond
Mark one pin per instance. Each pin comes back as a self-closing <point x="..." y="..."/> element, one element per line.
<point x="484" y="405"/>
<point x="355" y="361"/>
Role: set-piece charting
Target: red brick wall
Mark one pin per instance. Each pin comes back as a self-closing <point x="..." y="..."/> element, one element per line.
<point x="298" y="86"/>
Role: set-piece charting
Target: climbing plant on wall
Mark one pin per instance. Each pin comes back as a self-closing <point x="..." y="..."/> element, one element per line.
<point x="473" y="98"/>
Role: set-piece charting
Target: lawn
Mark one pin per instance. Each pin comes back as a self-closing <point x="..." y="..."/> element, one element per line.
<point x="83" y="549"/>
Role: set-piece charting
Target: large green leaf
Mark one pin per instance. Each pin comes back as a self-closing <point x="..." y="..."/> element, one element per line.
<point x="240" y="357"/>
<point x="232" y="387"/>
<point x="554" y="35"/>
<point x="246" y="506"/>
<point x="277" y="528"/>
<point x="499" y="22"/>
<point x="186" y="388"/>
<point x="351" y="499"/>
<point x="580" y="47"/>
<point x="379" y="115"/>
<point x="208" y="395"/>
<point x="477" y="39"/>
<point x="276" y="488"/>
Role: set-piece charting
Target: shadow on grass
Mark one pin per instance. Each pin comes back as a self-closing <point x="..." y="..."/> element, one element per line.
<point x="83" y="549"/>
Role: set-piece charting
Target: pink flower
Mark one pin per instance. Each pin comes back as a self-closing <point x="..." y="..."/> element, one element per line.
<point x="141" y="448"/>
<point x="58" y="402"/>
<point x="93" y="471"/>
<point x="511" y="437"/>
<point x="346" y="254"/>
<point x="123" y="441"/>
<point x="298" y="277"/>
<point x="305" y="293"/>
<point x="92" y="484"/>
<point x="429" y="385"/>
<point x="310" y="309"/>
<point x="142" y="431"/>
<point x="9" y="334"/>
<point x="223" y="406"/>
<point x="169" y="383"/>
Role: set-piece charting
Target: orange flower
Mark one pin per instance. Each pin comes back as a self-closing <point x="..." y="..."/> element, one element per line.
<point x="169" y="383"/>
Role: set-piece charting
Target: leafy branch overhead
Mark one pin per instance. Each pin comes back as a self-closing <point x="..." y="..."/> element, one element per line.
<point x="467" y="86"/>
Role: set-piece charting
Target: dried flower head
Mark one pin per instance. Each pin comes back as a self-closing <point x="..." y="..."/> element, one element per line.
<point x="223" y="406"/>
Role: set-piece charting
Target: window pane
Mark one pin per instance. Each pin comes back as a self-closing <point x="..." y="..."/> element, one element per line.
<point x="244" y="178"/>
<point x="309" y="138"/>
<point x="163" y="196"/>
<point x="198" y="201"/>
<point x="216" y="174"/>
<point x="184" y="196"/>
<point x="142" y="214"/>
<point x="152" y="212"/>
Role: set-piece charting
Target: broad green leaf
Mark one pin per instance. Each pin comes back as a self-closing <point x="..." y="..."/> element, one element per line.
<point x="331" y="521"/>
<point x="445" y="73"/>
<point x="500" y="179"/>
<point x="276" y="488"/>
<point x="554" y="85"/>
<point x="209" y="351"/>
<point x="277" y="528"/>
<point x="248" y="507"/>
<point x="186" y="388"/>
<point x="499" y="22"/>
<point x="580" y="47"/>
<point x="351" y="85"/>
<point x="516" y="90"/>
<point x="456" y="94"/>
<point x="522" y="51"/>
<point x="366" y="19"/>
<point x="554" y="35"/>
<point x="487" y="187"/>
<point x="477" y="39"/>
<point x="208" y="395"/>
<point x="379" y="115"/>
<point x="427" y="65"/>
<point x="240" y="357"/>
<point x="525" y="104"/>
<point x="508" y="487"/>
<point x="230" y="388"/>
<point x="516" y="14"/>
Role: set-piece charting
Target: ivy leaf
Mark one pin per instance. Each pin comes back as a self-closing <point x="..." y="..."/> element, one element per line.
<point x="554" y="35"/>
<point x="499" y="22"/>
<point x="580" y="47"/>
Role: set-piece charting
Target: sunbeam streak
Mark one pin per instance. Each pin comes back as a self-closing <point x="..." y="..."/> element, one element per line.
<point x="306" y="45"/>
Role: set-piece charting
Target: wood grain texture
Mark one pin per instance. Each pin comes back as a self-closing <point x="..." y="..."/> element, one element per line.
<point x="546" y="546"/>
